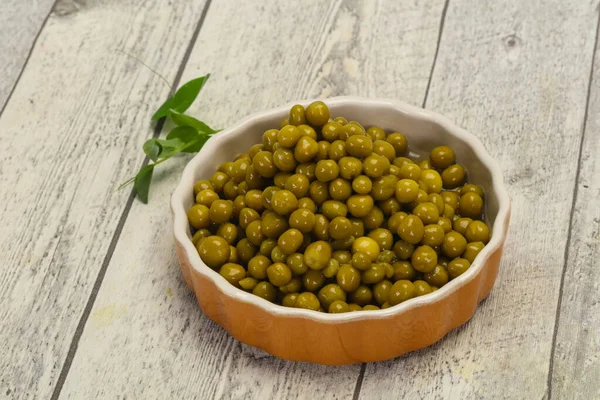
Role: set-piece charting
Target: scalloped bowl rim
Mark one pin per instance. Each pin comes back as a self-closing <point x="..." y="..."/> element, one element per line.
<point x="185" y="186"/>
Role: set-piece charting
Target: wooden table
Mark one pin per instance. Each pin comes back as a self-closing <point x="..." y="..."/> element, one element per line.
<point x="92" y="302"/>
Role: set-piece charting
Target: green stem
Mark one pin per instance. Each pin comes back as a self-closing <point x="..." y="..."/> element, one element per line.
<point x="171" y="92"/>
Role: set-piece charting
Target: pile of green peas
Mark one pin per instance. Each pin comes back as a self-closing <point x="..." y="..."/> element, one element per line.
<point x="329" y="216"/>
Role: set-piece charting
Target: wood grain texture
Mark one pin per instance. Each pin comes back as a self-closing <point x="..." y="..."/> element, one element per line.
<point x="576" y="362"/>
<point x="68" y="135"/>
<point x="515" y="74"/>
<point x="160" y="345"/>
<point x="20" y="22"/>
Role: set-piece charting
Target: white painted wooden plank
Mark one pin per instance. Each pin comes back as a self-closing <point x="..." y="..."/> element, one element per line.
<point x="68" y="137"/>
<point x="260" y="57"/>
<point x="515" y="74"/>
<point x="20" y="22"/>
<point x="576" y="362"/>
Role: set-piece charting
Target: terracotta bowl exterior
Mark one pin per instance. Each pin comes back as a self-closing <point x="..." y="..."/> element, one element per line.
<point x="339" y="339"/>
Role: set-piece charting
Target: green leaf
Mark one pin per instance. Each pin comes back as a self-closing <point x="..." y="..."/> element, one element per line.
<point x="170" y="147"/>
<point x="142" y="182"/>
<point x="185" y="120"/>
<point x="184" y="133"/>
<point x="195" y="147"/>
<point x="183" y="98"/>
<point x="170" y="143"/>
<point x="192" y="138"/>
<point x="152" y="149"/>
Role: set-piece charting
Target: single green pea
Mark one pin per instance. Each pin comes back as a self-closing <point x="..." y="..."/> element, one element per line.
<point x="383" y="237"/>
<point x="306" y="149"/>
<point x="317" y="255"/>
<point x="330" y="293"/>
<point x="267" y="246"/>
<point x="257" y="266"/>
<point x="361" y="296"/>
<point x="327" y="170"/>
<point x="384" y="187"/>
<point x="342" y="256"/>
<point x="313" y="280"/>
<point x="376" y="133"/>
<point x="454" y="244"/>
<point x="284" y="160"/>
<point x="385" y="149"/>
<point x="202" y="185"/>
<point x="348" y="278"/>
<point x="381" y="291"/>
<point x="331" y="131"/>
<point x="374" y="219"/>
<point x="375" y="273"/>
<point x="278" y="255"/>
<point x="390" y="207"/>
<point x="477" y="231"/>
<point x="245" y="251"/>
<point x="338" y="306"/>
<point x="214" y="251"/>
<point x="398" y="141"/>
<point x="302" y="220"/>
<point x="331" y="269"/>
<point x="432" y="180"/>
<point x="202" y="233"/>
<point x="457" y="267"/>
<point x="265" y="290"/>
<point x="403" y="270"/>
<point x="453" y="176"/>
<point x="359" y="146"/>
<point x="340" y="189"/>
<point x="401" y="291"/>
<point x="442" y="157"/>
<point x="470" y="205"/>
<point x="296" y="263"/>
<point x="340" y="228"/>
<point x="254" y="233"/>
<point x="248" y="283"/>
<point x="289" y="300"/>
<point x="362" y="184"/>
<point x="233" y="273"/>
<point x="198" y="216"/>
<point x="317" y="113"/>
<point x="421" y="288"/>
<point x="403" y="249"/>
<point x="279" y="274"/>
<point x="411" y="229"/>
<point x="297" y="115"/>
<point x="438" y="277"/>
<point x="472" y="250"/>
<point x="424" y="258"/>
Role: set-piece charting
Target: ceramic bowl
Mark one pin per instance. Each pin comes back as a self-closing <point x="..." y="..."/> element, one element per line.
<point x="338" y="339"/>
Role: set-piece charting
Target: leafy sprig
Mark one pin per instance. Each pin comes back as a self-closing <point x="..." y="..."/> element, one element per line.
<point x="188" y="136"/>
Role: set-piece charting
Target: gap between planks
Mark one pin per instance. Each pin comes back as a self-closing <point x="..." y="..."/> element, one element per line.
<point x="363" y="366"/>
<point x="117" y="234"/>
<point x="567" y="253"/>
<point x="33" y="44"/>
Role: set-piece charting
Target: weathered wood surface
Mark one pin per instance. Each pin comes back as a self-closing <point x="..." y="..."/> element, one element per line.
<point x="576" y="362"/>
<point x="67" y="136"/>
<point x="20" y="22"/>
<point x="515" y="74"/>
<point x="146" y="335"/>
